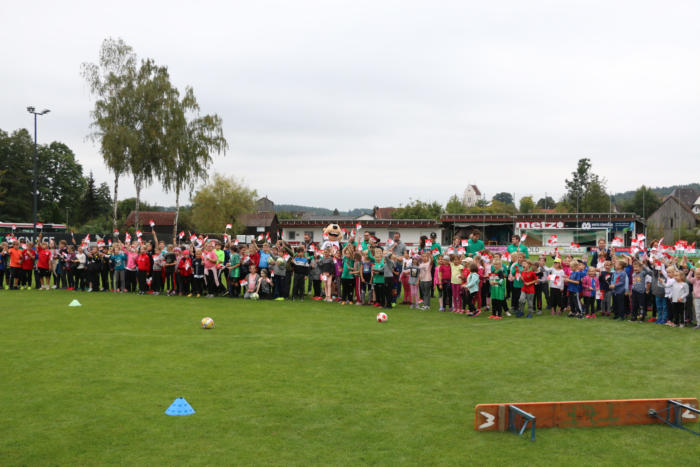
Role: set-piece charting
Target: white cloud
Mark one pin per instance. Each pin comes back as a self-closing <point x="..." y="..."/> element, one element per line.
<point x="421" y="97"/>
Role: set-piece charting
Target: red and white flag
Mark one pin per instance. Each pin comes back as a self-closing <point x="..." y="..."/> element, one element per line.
<point x="15" y="227"/>
<point x="243" y="283"/>
<point x="461" y="251"/>
<point x="138" y="233"/>
<point x="523" y="237"/>
<point x="428" y="243"/>
<point x="575" y="245"/>
<point x="286" y="256"/>
<point x="127" y="238"/>
<point x="109" y="242"/>
<point x="450" y="251"/>
<point x="116" y="232"/>
<point x="235" y="242"/>
<point x="506" y="256"/>
<point x="358" y="226"/>
<point x="267" y="236"/>
<point x="228" y="226"/>
<point x="100" y="243"/>
<point x="617" y="242"/>
<point x="39" y="225"/>
<point x="260" y="237"/>
<point x="181" y="235"/>
<point x="465" y="243"/>
<point x="352" y="233"/>
<point x="152" y="223"/>
<point x="435" y="252"/>
<point x="193" y="238"/>
<point x="552" y="240"/>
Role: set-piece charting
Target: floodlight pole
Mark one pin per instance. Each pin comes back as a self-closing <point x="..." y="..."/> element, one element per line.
<point x="33" y="111"/>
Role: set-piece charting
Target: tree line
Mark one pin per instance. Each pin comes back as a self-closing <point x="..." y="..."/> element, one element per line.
<point x="146" y="128"/>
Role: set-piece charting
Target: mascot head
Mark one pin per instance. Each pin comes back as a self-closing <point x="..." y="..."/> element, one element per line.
<point x="333" y="231"/>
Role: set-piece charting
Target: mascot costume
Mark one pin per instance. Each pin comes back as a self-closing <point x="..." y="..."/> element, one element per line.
<point x="331" y="235"/>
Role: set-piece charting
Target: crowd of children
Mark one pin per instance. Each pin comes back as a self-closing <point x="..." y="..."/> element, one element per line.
<point x="466" y="277"/>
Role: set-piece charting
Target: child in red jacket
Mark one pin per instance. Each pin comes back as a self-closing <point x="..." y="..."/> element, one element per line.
<point x="529" y="278"/>
<point x="143" y="263"/>
<point x="185" y="271"/>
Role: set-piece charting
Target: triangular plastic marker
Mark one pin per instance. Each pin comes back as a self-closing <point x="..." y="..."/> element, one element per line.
<point x="75" y="303"/>
<point x="180" y="407"/>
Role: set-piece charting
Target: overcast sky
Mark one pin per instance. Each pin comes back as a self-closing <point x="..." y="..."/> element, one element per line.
<point x="362" y="103"/>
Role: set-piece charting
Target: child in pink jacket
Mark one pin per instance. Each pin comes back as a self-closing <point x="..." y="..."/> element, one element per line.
<point x="591" y="290"/>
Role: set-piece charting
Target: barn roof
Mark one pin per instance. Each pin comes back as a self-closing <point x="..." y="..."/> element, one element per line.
<point x="161" y="218"/>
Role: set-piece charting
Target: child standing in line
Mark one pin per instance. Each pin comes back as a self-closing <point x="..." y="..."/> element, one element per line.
<point x="620" y="288"/>
<point x="346" y="278"/>
<point x="497" y="289"/>
<point x="472" y="288"/>
<point x="425" y="280"/>
<point x="234" y="273"/>
<point x="378" y="277"/>
<point x="679" y="293"/>
<point x="640" y="288"/>
<point x="456" y="268"/>
<point x="411" y="271"/>
<point x="541" y="284"/>
<point x="366" y="279"/>
<point x="184" y="273"/>
<point x="198" y="273"/>
<point x="302" y="267"/>
<point x="606" y="293"/>
<point x="158" y="264"/>
<point x="529" y="278"/>
<point x="252" y="282"/>
<point x="591" y="290"/>
<point x="516" y="280"/>
<point x="579" y="271"/>
<point x="695" y="281"/>
<point x="444" y="282"/>
<point x="143" y="263"/>
<point x="315" y="276"/>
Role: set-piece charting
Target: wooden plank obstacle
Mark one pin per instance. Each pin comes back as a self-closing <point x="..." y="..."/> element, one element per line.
<point x="516" y="417"/>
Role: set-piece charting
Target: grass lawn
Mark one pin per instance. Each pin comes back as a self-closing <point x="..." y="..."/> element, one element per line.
<point x="317" y="383"/>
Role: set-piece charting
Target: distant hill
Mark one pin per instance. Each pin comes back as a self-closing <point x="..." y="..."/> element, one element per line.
<point x="660" y="191"/>
<point x="320" y="211"/>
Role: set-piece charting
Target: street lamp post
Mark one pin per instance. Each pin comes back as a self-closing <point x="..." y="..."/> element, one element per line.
<point x="33" y="111"/>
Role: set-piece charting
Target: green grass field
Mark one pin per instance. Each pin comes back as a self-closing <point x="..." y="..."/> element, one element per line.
<point x="317" y="383"/>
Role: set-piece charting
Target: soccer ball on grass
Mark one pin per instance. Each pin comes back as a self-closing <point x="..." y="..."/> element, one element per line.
<point x="382" y="318"/>
<point x="207" y="323"/>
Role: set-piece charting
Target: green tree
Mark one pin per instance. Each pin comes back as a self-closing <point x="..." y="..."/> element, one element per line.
<point x="585" y="191"/>
<point x="503" y="197"/>
<point x="191" y="140"/>
<point x="221" y="201"/>
<point x="595" y="198"/>
<point x="455" y="206"/>
<point x="643" y="203"/>
<point x="16" y="154"/>
<point x="527" y="204"/>
<point x="417" y="209"/>
<point x="111" y="80"/>
<point x="60" y="184"/>
<point x="546" y="203"/>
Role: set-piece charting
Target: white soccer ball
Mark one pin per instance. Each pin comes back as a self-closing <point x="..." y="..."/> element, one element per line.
<point x="207" y="323"/>
<point x="254" y="296"/>
<point x="280" y="261"/>
<point x="382" y="318"/>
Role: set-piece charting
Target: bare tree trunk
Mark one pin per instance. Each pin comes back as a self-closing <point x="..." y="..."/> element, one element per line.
<point x="114" y="213"/>
<point x="137" y="184"/>
<point x="177" y="211"/>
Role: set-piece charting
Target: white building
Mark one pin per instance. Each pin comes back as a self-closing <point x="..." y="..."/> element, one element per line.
<point x="471" y="196"/>
<point x="696" y="207"/>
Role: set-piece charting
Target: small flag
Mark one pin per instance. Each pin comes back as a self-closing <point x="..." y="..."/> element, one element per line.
<point x="127" y="238"/>
<point x="100" y="243"/>
<point x="243" y="283"/>
<point x="235" y="242"/>
<point x="575" y="245"/>
<point x="116" y="232"/>
<point x="524" y="236"/>
<point x="39" y="226"/>
<point x="152" y="222"/>
<point x="465" y="243"/>
<point x="267" y="236"/>
<point x="506" y="255"/>
<point x="428" y="243"/>
<point x="260" y="237"/>
<point x="286" y="256"/>
<point x="551" y="277"/>
<point x="344" y="230"/>
<point x="552" y="240"/>
<point x="358" y="226"/>
<point x="461" y="251"/>
<point x="435" y="252"/>
<point x="181" y="234"/>
<point x="138" y="233"/>
<point x="352" y="233"/>
<point x="617" y="242"/>
<point x="14" y="227"/>
<point x="109" y="242"/>
<point x="228" y="226"/>
<point x="450" y="251"/>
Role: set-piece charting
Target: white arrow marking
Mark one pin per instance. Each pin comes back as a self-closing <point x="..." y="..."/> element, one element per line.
<point x="686" y="414"/>
<point x="489" y="420"/>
